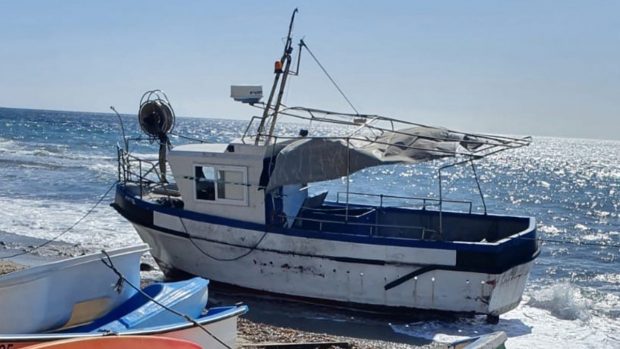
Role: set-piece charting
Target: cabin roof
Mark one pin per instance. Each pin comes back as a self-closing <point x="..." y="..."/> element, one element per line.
<point x="200" y="148"/>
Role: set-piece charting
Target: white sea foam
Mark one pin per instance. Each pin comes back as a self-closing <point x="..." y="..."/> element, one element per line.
<point x="46" y="219"/>
<point x="6" y="144"/>
<point x="103" y="169"/>
<point x="562" y="301"/>
<point x="533" y="324"/>
<point x="581" y="227"/>
<point x="596" y="237"/>
<point x="544" y="184"/>
<point x="550" y="229"/>
<point x="9" y="146"/>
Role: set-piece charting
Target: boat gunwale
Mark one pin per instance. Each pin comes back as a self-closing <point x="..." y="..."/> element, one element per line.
<point x="228" y="312"/>
<point x="35" y="272"/>
<point x="472" y="257"/>
<point x="333" y="236"/>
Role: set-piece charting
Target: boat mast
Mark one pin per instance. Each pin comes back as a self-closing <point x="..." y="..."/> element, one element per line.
<point x="286" y="62"/>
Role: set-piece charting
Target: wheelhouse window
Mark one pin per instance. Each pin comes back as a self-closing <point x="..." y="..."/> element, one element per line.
<point x="205" y="183"/>
<point x="226" y="184"/>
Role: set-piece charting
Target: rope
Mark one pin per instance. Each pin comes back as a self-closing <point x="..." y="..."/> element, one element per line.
<point x="572" y="242"/>
<point x="66" y="230"/>
<point x="302" y="43"/>
<point x="188" y="138"/>
<point x="250" y="249"/>
<point x="110" y="265"/>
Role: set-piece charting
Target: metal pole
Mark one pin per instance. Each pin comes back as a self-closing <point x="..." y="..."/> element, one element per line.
<point x="473" y="167"/>
<point x="261" y="126"/>
<point x="140" y="179"/>
<point x="118" y="162"/>
<point x="279" y="100"/>
<point x="440" y="204"/>
<point x="348" y="173"/>
<point x="286" y="56"/>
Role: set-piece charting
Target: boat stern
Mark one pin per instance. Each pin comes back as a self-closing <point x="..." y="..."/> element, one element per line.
<point x="507" y="288"/>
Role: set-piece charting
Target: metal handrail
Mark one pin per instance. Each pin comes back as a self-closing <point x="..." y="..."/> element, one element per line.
<point x="347" y="214"/>
<point x="423" y="199"/>
<point x="504" y="142"/>
<point x="370" y="226"/>
<point x="127" y="164"/>
<point x="247" y="129"/>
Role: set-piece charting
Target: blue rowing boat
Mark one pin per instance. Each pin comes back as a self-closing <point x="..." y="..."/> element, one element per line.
<point x="172" y="309"/>
<point x="154" y="306"/>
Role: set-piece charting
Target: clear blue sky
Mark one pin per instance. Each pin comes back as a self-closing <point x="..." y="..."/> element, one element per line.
<point x="519" y="67"/>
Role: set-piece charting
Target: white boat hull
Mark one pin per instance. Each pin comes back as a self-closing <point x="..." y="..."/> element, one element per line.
<point x="66" y="292"/>
<point x="330" y="270"/>
<point x="223" y="328"/>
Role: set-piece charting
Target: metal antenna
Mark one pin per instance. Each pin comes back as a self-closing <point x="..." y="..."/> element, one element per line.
<point x="284" y="61"/>
<point x="122" y="127"/>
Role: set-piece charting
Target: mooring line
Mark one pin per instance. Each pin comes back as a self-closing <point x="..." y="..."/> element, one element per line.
<point x="110" y="265"/>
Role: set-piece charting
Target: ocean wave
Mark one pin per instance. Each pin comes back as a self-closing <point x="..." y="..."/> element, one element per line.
<point x="47" y="219"/>
<point x="58" y="151"/>
<point x="602" y="237"/>
<point x="63" y="155"/>
<point x="6" y="143"/>
<point x="526" y="326"/>
<point x="8" y="146"/>
<point x="550" y="229"/>
<point x="108" y="166"/>
<point x="563" y="300"/>
<point x="29" y="164"/>
<point x="103" y="167"/>
<point x="17" y="155"/>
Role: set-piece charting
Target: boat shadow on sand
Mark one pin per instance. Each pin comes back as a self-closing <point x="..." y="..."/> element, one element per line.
<point x="422" y="328"/>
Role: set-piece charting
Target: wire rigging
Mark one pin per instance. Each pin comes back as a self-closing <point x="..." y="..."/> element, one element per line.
<point x="573" y="242"/>
<point x="108" y="263"/>
<point x="303" y="44"/>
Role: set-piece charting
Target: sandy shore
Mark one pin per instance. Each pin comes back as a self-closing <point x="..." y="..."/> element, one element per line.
<point x="8" y="266"/>
<point x="256" y="327"/>
<point x="256" y="332"/>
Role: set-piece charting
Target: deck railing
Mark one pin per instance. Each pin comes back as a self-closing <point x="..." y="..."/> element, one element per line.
<point x="132" y="169"/>
<point x="426" y="202"/>
<point x="372" y="229"/>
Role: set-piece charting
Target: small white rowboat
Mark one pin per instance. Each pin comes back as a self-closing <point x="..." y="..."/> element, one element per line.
<point x="66" y="292"/>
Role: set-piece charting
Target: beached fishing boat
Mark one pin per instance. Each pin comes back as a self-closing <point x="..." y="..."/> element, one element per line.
<point x="134" y="342"/>
<point x="66" y="292"/>
<point x="244" y="213"/>
<point x="171" y="310"/>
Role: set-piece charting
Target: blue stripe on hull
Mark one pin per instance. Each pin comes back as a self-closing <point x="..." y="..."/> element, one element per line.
<point x="482" y="258"/>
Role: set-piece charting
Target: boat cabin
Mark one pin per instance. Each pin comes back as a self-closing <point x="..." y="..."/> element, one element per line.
<point x="219" y="179"/>
<point x="224" y="180"/>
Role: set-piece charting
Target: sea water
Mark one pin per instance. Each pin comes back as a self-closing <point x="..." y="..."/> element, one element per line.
<point x="55" y="166"/>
